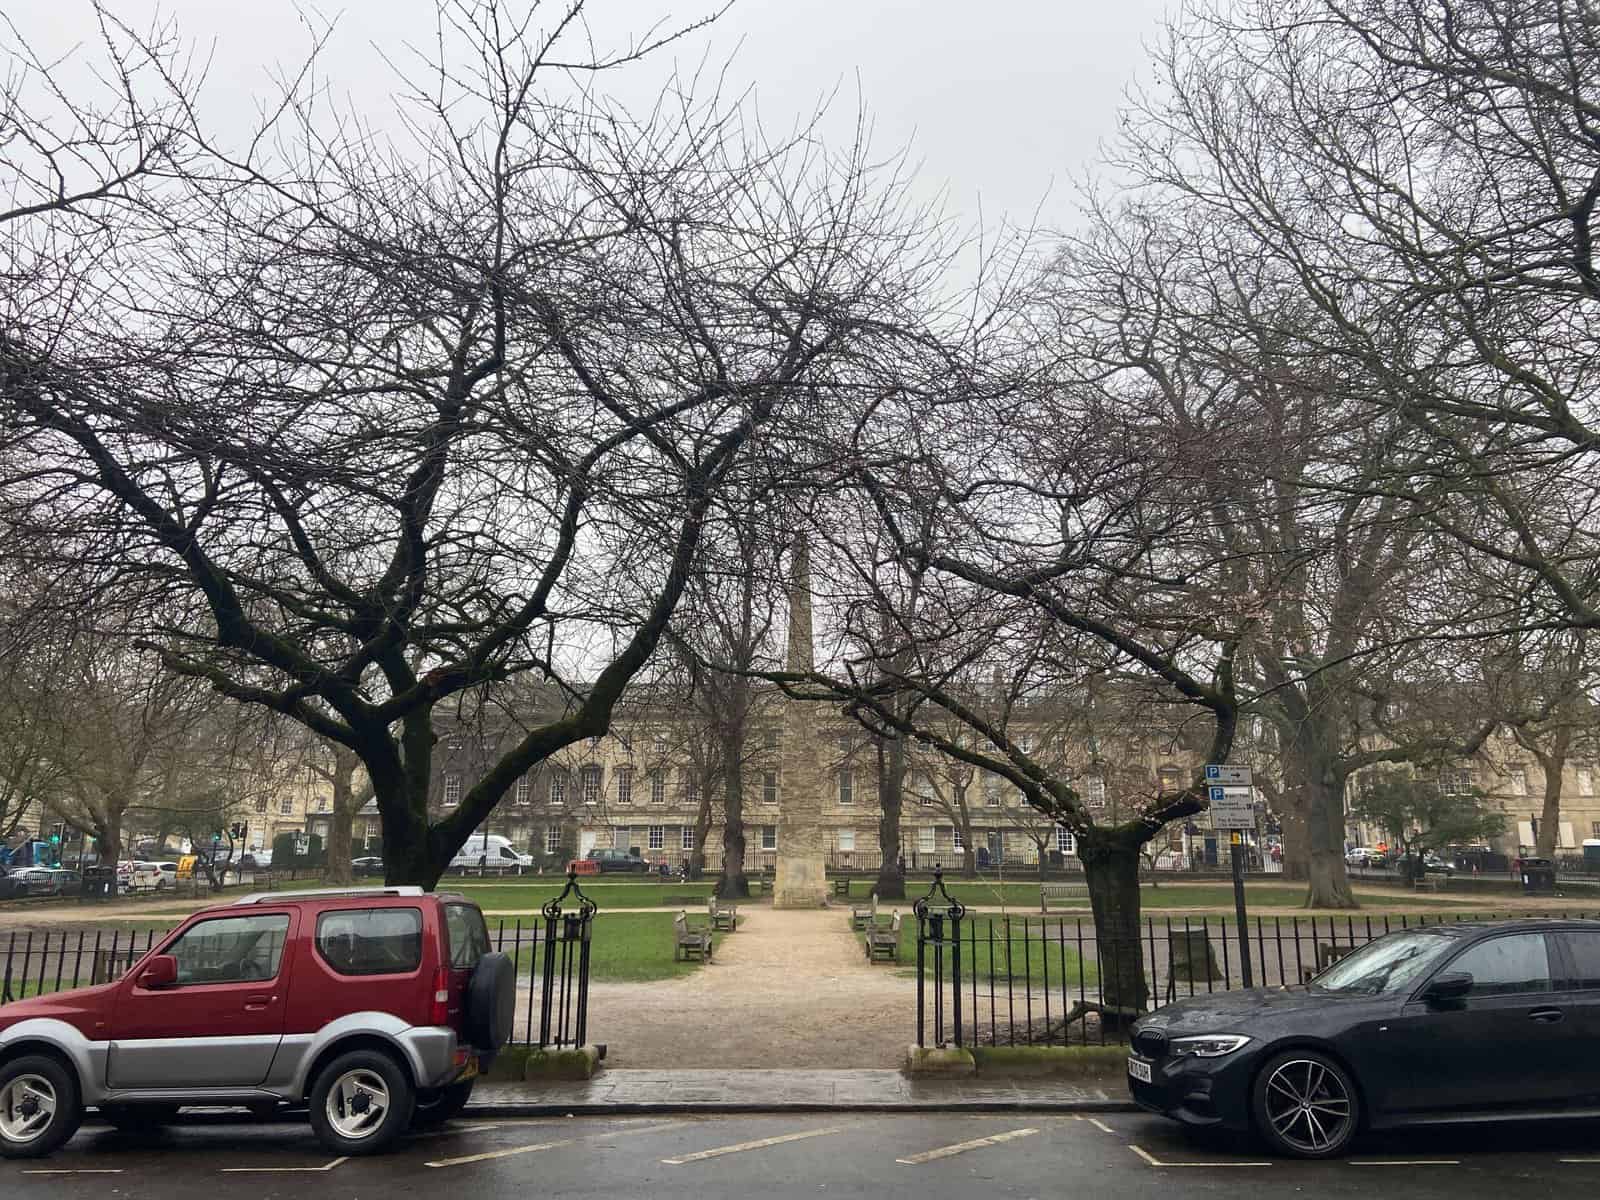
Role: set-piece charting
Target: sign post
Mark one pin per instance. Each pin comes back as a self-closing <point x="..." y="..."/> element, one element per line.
<point x="1233" y="808"/>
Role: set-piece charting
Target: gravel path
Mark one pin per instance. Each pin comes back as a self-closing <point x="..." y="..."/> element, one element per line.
<point x="791" y="988"/>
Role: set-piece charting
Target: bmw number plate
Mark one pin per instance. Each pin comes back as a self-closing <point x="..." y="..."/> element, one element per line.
<point x="1139" y="1069"/>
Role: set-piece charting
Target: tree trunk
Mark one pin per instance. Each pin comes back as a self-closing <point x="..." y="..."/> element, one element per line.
<point x="108" y="838"/>
<point x="1329" y="883"/>
<point x="702" y="831"/>
<point x="1296" y="836"/>
<point x="337" y="853"/>
<point x="1111" y="869"/>
<point x="891" y="797"/>
<point x="1550" y="816"/>
<point x="732" y="884"/>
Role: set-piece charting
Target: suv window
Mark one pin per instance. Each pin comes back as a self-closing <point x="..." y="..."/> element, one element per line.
<point x="371" y="941"/>
<point x="1506" y="965"/>
<point x="1585" y="948"/>
<point x="469" y="936"/>
<point x="231" y="949"/>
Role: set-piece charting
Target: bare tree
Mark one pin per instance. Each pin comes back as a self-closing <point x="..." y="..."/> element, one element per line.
<point x="401" y="421"/>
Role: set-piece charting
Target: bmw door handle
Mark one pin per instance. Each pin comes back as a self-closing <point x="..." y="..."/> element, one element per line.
<point x="1548" y="1015"/>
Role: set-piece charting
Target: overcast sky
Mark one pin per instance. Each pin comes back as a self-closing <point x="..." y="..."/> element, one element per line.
<point x="1002" y="102"/>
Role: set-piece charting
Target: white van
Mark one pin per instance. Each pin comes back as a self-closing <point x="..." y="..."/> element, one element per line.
<point x="495" y="853"/>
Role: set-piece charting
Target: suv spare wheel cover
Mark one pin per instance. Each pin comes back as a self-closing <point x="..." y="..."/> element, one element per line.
<point x="491" y="1002"/>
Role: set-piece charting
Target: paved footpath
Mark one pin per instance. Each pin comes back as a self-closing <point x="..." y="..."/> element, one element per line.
<point x="791" y="989"/>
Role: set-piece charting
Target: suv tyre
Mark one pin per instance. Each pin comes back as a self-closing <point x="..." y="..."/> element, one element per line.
<point x="361" y="1103"/>
<point x="441" y="1106"/>
<point x="491" y="1003"/>
<point x="40" y="1106"/>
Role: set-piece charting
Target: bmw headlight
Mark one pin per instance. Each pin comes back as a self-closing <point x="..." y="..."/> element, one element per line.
<point x="1211" y="1045"/>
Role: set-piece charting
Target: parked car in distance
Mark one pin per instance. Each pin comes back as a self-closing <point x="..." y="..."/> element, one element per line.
<point x="1366" y="856"/>
<point x="11" y="887"/>
<point x="600" y="862"/>
<point x="1440" y="1023"/>
<point x="367" y="866"/>
<point x="490" y="852"/>
<point x="376" y="1008"/>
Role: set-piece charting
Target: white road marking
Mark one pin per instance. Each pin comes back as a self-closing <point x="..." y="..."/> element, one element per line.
<point x="1156" y="1162"/>
<point x="283" y="1170"/>
<point x="1578" y="1160"/>
<point x="510" y="1152"/>
<point x="740" y="1147"/>
<point x="514" y="1151"/>
<point x="82" y="1171"/>
<point x="1101" y="1125"/>
<point x="963" y="1147"/>
<point x="1405" y="1162"/>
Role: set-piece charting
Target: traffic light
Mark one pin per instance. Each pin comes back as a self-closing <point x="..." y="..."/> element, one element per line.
<point x="56" y="832"/>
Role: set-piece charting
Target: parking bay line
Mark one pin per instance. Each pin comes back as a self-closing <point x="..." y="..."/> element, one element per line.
<point x="514" y="1151"/>
<point x="963" y="1147"/>
<point x="78" y="1171"/>
<point x="760" y="1144"/>
<point x="284" y="1170"/>
<point x="1156" y="1162"/>
<point x="1405" y="1162"/>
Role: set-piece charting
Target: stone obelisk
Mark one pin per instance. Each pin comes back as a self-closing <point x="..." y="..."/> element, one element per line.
<point x="800" y="880"/>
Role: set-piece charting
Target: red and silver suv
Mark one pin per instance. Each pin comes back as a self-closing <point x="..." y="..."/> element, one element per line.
<point x="375" y="1007"/>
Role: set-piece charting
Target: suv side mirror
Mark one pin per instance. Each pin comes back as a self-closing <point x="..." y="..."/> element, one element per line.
<point x="1450" y="986"/>
<point x="160" y="972"/>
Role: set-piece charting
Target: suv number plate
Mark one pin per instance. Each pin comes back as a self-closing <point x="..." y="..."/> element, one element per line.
<point x="1139" y="1069"/>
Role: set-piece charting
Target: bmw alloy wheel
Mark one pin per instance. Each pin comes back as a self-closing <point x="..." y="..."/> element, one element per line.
<point x="1309" y="1106"/>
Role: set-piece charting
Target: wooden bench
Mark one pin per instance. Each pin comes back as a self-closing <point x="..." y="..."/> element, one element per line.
<point x="723" y="914"/>
<point x="883" y="941"/>
<point x="689" y="941"/>
<point x="1061" y="894"/>
<point x="841" y="885"/>
<point x="1429" y="883"/>
<point x="865" y="914"/>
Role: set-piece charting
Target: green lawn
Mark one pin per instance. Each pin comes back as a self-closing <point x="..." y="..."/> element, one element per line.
<point x="1173" y="896"/>
<point x="986" y="952"/>
<point x="637" y="947"/>
<point x="529" y="897"/>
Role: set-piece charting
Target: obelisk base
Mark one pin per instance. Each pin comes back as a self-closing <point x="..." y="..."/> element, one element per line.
<point x="799" y="882"/>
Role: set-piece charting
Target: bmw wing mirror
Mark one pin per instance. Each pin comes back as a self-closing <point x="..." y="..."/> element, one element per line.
<point x="1452" y="985"/>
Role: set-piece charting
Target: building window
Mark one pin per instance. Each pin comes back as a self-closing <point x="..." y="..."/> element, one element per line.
<point x="991" y="791"/>
<point x="369" y="831"/>
<point x="769" y="837"/>
<point x="658" y="837"/>
<point x="286" y="806"/>
<point x="524" y="791"/>
<point x="624" y="778"/>
<point x="324" y="804"/>
<point x="1596" y="828"/>
<point x="591" y="785"/>
<point x="927" y="841"/>
<point x="1064" y="840"/>
<point x="558" y="788"/>
<point x="658" y="788"/>
<point x="552" y="840"/>
<point x="691" y="788"/>
<point x="847" y="839"/>
<point x="661" y="744"/>
<point x="769" y="738"/>
<point x="1455" y="782"/>
<point x="769" y="787"/>
<point x="1025" y="743"/>
<point x="1095" y="788"/>
<point x="452" y="790"/>
<point x="956" y="839"/>
<point x="846" y="787"/>
<point x="924" y="790"/>
<point x="261" y="804"/>
<point x="687" y="837"/>
<point x="1169" y="779"/>
<point x="1585" y="781"/>
<point x="1519" y="781"/>
<point x="620" y="837"/>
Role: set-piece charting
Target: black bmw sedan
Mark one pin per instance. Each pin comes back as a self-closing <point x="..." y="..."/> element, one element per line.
<point x="1439" y="1024"/>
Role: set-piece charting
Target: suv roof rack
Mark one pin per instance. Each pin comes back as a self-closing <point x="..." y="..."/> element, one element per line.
<point x="285" y="897"/>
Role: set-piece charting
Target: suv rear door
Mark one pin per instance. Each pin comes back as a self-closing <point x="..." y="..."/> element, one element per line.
<point x="466" y="941"/>
<point x="221" y="1025"/>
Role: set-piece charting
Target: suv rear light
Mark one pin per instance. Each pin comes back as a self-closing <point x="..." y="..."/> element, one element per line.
<point x="439" y="1006"/>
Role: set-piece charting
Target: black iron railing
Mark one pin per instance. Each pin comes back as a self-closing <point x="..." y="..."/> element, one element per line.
<point x="939" y="916"/>
<point x="564" y="999"/>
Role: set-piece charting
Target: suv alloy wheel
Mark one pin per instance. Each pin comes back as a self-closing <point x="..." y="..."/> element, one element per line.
<point x="39" y="1107"/>
<point x="361" y="1103"/>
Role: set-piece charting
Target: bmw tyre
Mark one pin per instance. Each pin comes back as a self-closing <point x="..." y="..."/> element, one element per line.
<point x="362" y="1103"/>
<point x="40" y="1107"/>
<point x="434" y="1109"/>
<point x="1305" y="1105"/>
